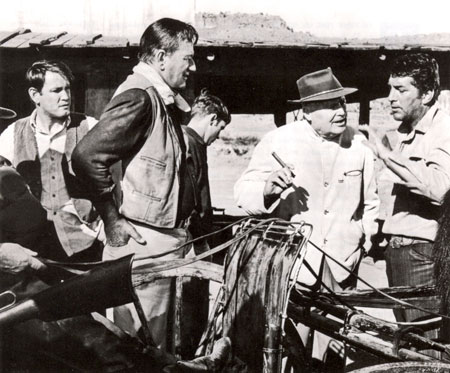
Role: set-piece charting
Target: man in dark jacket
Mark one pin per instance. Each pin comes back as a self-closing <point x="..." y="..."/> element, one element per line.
<point x="138" y="128"/>
<point x="209" y="116"/>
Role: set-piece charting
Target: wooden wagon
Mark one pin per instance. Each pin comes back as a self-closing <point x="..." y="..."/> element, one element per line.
<point x="258" y="304"/>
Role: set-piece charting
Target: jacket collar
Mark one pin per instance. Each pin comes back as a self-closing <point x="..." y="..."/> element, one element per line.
<point x="167" y="94"/>
<point x="195" y="135"/>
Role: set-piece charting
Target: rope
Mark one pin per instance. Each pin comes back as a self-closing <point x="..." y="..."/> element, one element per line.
<point x="187" y="243"/>
<point x="395" y="300"/>
<point x="83" y="267"/>
<point x="159" y="266"/>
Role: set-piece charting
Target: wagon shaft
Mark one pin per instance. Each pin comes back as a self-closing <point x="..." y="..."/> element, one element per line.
<point x="386" y="339"/>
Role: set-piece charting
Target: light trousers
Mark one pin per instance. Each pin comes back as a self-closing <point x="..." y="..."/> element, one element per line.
<point x="155" y="297"/>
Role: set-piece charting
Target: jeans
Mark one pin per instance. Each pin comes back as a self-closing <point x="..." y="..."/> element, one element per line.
<point x="411" y="265"/>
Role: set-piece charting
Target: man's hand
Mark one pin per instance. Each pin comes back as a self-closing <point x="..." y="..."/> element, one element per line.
<point x="119" y="232"/>
<point x="277" y="182"/>
<point x="376" y="145"/>
<point x="15" y="259"/>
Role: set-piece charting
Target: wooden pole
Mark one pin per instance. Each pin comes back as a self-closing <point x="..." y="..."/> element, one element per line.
<point x="370" y="343"/>
<point x="363" y="322"/>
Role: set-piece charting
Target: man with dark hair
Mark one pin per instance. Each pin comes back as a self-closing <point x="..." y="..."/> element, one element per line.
<point x="39" y="147"/>
<point x="419" y="167"/>
<point x="209" y="116"/>
<point x="138" y="128"/>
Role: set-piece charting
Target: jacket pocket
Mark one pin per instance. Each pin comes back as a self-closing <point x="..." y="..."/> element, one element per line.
<point x="148" y="177"/>
<point x="147" y="195"/>
<point x="352" y="174"/>
<point x="153" y="161"/>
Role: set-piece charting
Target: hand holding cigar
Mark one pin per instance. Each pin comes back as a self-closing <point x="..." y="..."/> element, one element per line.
<point x="281" y="162"/>
<point x="277" y="182"/>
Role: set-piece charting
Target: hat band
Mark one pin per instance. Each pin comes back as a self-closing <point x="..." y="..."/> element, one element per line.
<point x="323" y="93"/>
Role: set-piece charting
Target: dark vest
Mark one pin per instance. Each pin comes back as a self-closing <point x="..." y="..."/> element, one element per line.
<point x="28" y="164"/>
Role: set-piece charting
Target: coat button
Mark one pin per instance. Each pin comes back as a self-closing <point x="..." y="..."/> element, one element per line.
<point x="325" y="184"/>
<point x="326" y="212"/>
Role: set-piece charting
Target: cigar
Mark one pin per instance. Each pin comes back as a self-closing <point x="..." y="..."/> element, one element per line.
<point x="282" y="164"/>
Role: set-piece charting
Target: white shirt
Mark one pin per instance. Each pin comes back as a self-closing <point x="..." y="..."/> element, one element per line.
<point x="56" y="140"/>
<point x="334" y="190"/>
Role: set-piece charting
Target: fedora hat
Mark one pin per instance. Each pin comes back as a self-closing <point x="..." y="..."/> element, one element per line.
<point x="320" y="85"/>
<point x="7" y="113"/>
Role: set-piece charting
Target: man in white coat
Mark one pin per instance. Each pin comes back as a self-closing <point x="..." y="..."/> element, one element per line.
<point x="329" y="182"/>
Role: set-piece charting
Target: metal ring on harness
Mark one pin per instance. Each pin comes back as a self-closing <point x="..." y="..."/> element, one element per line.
<point x="400" y="333"/>
<point x="347" y="319"/>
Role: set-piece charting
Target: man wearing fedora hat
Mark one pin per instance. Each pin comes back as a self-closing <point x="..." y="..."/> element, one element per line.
<point x="329" y="182"/>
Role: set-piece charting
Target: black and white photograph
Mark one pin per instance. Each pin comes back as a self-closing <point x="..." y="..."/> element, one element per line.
<point x="224" y="186"/>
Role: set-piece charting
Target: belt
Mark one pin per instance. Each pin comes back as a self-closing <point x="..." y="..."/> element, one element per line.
<point x="400" y="241"/>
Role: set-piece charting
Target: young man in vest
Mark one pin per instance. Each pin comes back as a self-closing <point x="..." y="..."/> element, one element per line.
<point x="40" y="148"/>
<point x="138" y="129"/>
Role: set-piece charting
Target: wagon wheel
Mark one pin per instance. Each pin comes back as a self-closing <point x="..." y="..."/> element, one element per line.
<point x="407" y="367"/>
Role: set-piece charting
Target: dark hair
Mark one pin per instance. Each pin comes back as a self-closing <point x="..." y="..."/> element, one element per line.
<point x="165" y="33"/>
<point x="35" y="75"/>
<point x="206" y="103"/>
<point x="422" y="68"/>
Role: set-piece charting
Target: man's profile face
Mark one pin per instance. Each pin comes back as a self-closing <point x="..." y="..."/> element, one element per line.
<point x="328" y="117"/>
<point x="405" y="98"/>
<point x="179" y="65"/>
<point x="54" y="99"/>
<point x="213" y="131"/>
